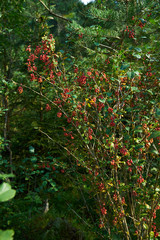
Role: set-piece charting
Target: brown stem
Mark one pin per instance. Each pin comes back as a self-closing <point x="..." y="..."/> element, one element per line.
<point x="7" y="76"/>
<point x="54" y="14"/>
<point x="125" y="225"/>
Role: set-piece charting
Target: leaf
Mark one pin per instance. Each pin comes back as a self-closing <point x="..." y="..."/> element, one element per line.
<point x="138" y="49"/>
<point x="138" y="146"/>
<point x="124" y="66"/>
<point x="127" y="128"/>
<point x="135" y="89"/>
<point x="158" y="112"/>
<point x="130" y="74"/>
<point x="97" y="44"/>
<point x="4" y="176"/>
<point x="154" y="135"/>
<point x="75" y="96"/>
<point x="145" y="226"/>
<point x="109" y="94"/>
<point x="151" y="234"/>
<point x="34" y="124"/>
<point x="138" y="131"/>
<point x="6" y="235"/>
<point x="154" y="151"/>
<point x="143" y="37"/>
<point x="33" y="159"/>
<point x="142" y="20"/>
<point x="102" y="100"/>
<point x="136" y="73"/>
<point x="137" y="55"/>
<point x="6" y="193"/>
<point x="149" y="91"/>
<point x="31" y="149"/>
<point x="154" y="169"/>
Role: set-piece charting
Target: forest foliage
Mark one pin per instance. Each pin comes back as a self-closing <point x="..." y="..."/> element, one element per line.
<point x="79" y="110"/>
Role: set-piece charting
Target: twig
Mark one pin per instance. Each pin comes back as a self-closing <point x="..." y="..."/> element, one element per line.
<point x="105" y="46"/>
<point x="83" y="219"/>
<point x="89" y="49"/>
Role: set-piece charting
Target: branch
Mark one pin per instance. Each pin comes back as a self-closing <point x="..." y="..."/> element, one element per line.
<point x="96" y="17"/>
<point x="54" y="14"/>
<point x="89" y="49"/>
<point x="114" y="37"/>
<point x="105" y="46"/>
<point x="82" y="219"/>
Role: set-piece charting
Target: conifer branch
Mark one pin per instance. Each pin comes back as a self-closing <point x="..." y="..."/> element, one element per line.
<point x="54" y="14"/>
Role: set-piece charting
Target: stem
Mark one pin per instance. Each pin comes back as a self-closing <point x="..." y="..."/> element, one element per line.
<point x="54" y="14"/>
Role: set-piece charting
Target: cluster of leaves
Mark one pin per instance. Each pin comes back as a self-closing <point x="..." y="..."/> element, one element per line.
<point x="111" y="129"/>
<point x="6" y="193"/>
<point x="90" y="111"/>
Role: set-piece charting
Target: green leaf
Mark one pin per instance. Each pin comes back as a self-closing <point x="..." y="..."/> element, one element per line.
<point x="138" y="146"/>
<point x="151" y="234"/>
<point x="31" y="149"/>
<point x="138" y="49"/>
<point x="4" y="176"/>
<point x="6" y="193"/>
<point x="130" y="74"/>
<point x="124" y="66"/>
<point x="127" y="128"/>
<point x="34" y="124"/>
<point x="149" y="91"/>
<point x="138" y="131"/>
<point x="102" y="100"/>
<point x="154" y="151"/>
<point x="33" y="159"/>
<point x="128" y="109"/>
<point x="97" y="44"/>
<point x="154" y="135"/>
<point x="142" y="20"/>
<point x="6" y="235"/>
<point x="158" y="112"/>
<point x="109" y="94"/>
<point x="145" y="226"/>
<point x="136" y="73"/>
<point x="154" y="169"/>
<point x="135" y="89"/>
<point x="137" y="55"/>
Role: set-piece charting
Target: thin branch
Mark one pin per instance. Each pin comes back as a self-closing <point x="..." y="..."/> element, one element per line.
<point x="54" y="14"/>
<point x="72" y="154"/>
<point x="114" y="37"/>
<point x="82" y="219"/>
<point x="105" y="46"/>
<point x="89" y="49"/>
